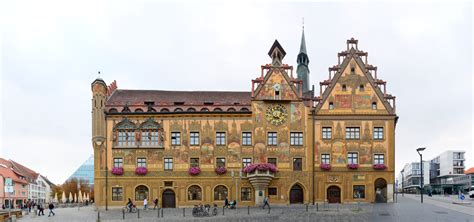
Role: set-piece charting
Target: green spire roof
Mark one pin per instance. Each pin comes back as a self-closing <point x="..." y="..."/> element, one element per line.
<point x="303" y="44"/>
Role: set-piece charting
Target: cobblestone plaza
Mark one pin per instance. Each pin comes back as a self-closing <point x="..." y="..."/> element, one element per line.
<point x="407" y="208"/>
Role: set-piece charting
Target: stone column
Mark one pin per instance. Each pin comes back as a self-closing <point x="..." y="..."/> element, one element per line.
<point x="390" y="193"/>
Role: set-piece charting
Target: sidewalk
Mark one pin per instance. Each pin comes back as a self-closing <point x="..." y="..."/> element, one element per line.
<point x="444" y="202"/>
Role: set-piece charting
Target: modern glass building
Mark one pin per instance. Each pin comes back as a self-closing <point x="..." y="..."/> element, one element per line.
<point x="85" y="172"/>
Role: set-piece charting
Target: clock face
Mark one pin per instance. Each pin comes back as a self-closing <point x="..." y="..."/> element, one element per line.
<point x="276" y="114"/>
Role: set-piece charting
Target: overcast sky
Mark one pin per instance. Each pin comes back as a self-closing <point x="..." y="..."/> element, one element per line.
<point x="51" y="52"/>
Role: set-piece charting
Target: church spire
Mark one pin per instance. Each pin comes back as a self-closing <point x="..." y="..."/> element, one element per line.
<point x="302" y="70"/>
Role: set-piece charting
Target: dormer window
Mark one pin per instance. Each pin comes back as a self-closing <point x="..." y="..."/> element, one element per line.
<point x="277" y="88"/>
<point x="344" y="87"/>
<point x="352" y="69"/>
<point x="361" y="88"/>
<point x="331" y="105"/>
<point x="277" y="94"/>
<point x="374" y="105"/>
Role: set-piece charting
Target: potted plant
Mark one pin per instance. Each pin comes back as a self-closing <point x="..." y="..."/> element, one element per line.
<point x="325" y="166"/>
<point x="352" y="166"/>
<point x="193" y="171"/>
<point x="117" y="171"/>
<point x="141" y="171"/>
<point x="221" y="170"/>
<point x="379" y="166"/>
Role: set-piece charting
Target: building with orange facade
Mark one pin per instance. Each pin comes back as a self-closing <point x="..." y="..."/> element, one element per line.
<point x="278" y="140"/>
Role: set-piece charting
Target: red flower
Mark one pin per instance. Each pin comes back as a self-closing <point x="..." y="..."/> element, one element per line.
<point x="379" y="166"/>
<point x="141" y="171"/>
<point x="260" y="166"/>
<point x="193" y="171"/>
<point x="117" y="171"/>
<point x="221" y="170"/>
<point x="352" y="166"/>
<point x="325" y="166"/>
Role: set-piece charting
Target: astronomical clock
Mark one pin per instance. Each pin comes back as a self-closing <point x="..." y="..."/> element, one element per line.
<point x="276" y="114"/>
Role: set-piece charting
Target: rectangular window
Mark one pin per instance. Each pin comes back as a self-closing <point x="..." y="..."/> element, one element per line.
<point x="194" y="162"/>
<point x="272" y="191"/>
<point x="117" y="193"/>
<point x="246" y="139"/>
<point x="352" y="158"/>
<point x="220" y="162"/>
<point x="246" y="161"/>
<point x="272" y="161"/>
<point x="378" y="133"/>
<point x="379" y="159"/>
<point x="296" y="139"/>
<point x="194" y="138"/>
<point x="327" y="133"/>
<point x="220" y="138"/>
<point x="326" y="158"/>
<point x="352" y="133"/>
<point x="150" y="138"/>
<point x="297" y="164"/>
<point x="245" y="193"/>
<point x="126" y="138"/>
<point x="272" y="138"/>
<point x="175" y="138"/>
<point x="141" y="162"/>
<point x="359" y="192"/>
<point x="118" y="162"/>
<point x="168" y="163"/>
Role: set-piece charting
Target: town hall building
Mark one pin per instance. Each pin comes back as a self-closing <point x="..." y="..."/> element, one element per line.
<point x="280" y="139"/>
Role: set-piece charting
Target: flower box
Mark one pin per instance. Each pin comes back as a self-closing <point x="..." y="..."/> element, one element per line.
<point x="193" y="171"/>
<point x="260" y="167"/>
<point x="325" y="166"/>
<point x="117" y="171"/>
<point x="352" y="166"/>
<point x="379" y="166"/>
<point x="141" y="171"/>
<point x="221" y="170"/>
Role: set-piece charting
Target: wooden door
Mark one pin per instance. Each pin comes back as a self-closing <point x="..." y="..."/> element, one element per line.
<point x="169" y="199"/>
<point x="296" y="194"/>
<point x="334" y="194"/>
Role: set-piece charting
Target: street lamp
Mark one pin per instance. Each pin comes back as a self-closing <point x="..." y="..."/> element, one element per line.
<point x="403" y="181"/>
<point x="421" y="164"/>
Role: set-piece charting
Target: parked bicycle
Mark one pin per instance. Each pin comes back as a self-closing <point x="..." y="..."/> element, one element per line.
<point x="204" y="211"/>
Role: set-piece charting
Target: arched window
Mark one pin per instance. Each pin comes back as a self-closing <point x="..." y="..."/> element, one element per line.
<point x="113" y="110"/>
<point x="204" y="110"/>
<point x="374" y="105"/>
<point x="164" y="110"/>
<point x="244" y="110"/>
<point x="231" y="109"/>
<point x="217" y="110"/>
<point x="178" y="110"/>
<point x="124" y="133"/>
<point x="191" y="109"/>
<point x="141" y="192"/>
<point x="194" y="193"/>
<point x="331" y="105"/>
<point x="220" y="192"/>
<point x="151" y="133"/>
<point x="344" y="87"/>
<point x="139" y="110"/>
<point x="361" y="88"/>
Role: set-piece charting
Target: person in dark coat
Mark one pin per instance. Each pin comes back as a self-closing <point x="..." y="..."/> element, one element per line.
<point x="51" y="207"/>
<point x="226" y="202"/>
<point x="41" y="210"/>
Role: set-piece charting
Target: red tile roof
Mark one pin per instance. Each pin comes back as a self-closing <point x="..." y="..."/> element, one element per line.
<point x="121" y="97"/>
<point x="29" y="173"/>
<point x="9" y="173"/>
<point x="469" y="171"/>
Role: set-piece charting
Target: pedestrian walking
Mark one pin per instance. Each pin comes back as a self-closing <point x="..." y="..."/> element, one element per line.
<point x="265" y="202"/>
<point x="226" y="202"/>
<point x="145" y="204"/>
<point x="51" y="207"/>
<point x="40" y="210"/>
<point x="155" y="202"/>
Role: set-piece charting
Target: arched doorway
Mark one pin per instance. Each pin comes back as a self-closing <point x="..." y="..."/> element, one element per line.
<point x="296" y="194"/>
<point x="169" y="199"/>
<point x="380" y="190"/>
<point x="334" y="194"/>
